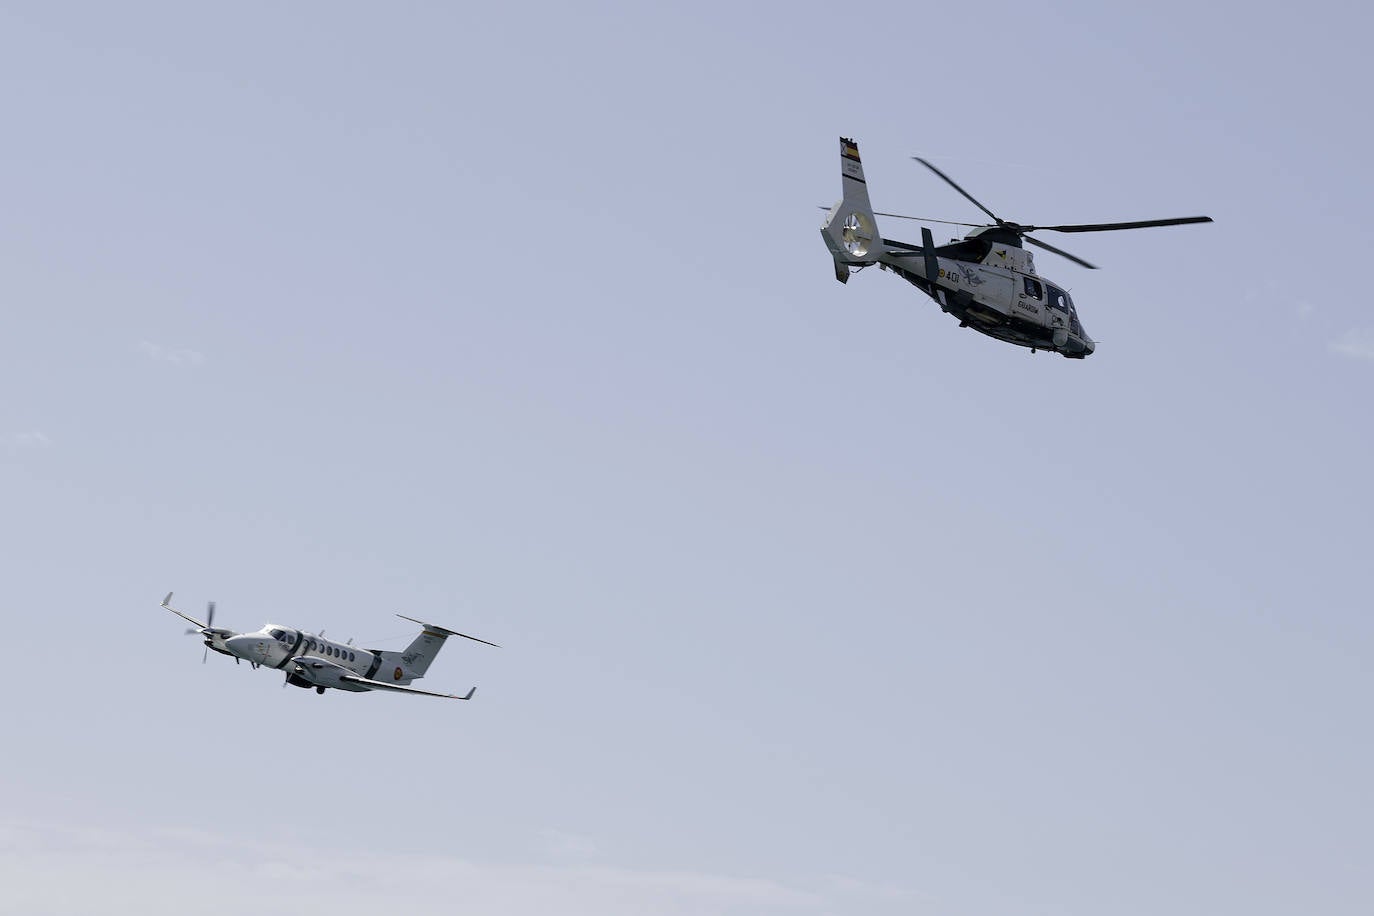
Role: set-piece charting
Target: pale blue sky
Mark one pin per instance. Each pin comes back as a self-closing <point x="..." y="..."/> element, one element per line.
<point x="519" y="319"/>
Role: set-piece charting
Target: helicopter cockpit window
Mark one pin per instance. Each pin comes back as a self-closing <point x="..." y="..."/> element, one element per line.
<point x="1059" y="299"/>
<point x="1033" y="288"/>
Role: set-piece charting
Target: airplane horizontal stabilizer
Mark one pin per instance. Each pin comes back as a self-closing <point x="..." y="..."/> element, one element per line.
<point x="445" y="631"/>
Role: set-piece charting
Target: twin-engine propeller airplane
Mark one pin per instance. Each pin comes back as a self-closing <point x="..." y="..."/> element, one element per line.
<point x="310" y="660"/>
<point x="987" y="280"/>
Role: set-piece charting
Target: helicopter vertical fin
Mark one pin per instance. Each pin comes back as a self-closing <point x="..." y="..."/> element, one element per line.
<point x="932" y="266"/>
<point x="928" y="253"/>
<point x="851" y="230"/>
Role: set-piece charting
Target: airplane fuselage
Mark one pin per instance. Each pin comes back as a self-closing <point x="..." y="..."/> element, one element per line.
<point x="275" y="646"/>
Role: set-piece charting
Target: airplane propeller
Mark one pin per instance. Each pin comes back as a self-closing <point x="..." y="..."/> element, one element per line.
<point x="208" y="630"/>
<point x="209" y="621"/>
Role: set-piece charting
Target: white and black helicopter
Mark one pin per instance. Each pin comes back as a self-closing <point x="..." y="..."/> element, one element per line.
<point x="310" y="660"/>
<point x="987" y="280"/>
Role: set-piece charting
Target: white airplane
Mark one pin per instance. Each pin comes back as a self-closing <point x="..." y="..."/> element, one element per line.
<point x="310" y="660"/>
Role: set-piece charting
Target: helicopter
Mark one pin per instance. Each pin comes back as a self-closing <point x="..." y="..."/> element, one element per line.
<point x="987" y="280"/>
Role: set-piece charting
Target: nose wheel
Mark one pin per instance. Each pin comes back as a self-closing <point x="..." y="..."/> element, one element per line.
<point x="320" y="691"/>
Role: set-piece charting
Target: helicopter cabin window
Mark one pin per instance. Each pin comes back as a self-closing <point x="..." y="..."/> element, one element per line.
<point x="1059" y="299"/>
<point x="1033" y="288"/>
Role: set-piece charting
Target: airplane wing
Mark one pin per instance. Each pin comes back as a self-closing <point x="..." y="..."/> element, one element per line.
<point x="199" y="624"/>
<point x="383" y="685"/>
<point x="206" y="627"/>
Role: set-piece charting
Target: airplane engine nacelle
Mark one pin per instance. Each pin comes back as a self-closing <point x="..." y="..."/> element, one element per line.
<point x="318" y="672"/>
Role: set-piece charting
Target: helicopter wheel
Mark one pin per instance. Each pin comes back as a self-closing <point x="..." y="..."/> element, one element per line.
<point x="320" y="691"/>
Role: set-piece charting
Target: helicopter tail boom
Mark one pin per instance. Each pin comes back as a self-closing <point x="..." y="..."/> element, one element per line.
<point x="850" y="229"/>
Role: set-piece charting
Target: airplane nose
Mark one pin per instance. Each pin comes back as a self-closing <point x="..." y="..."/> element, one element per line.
<point x="242" y="646"/>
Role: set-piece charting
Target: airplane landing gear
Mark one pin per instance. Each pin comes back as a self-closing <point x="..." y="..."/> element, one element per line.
<point x="320" y="691"/>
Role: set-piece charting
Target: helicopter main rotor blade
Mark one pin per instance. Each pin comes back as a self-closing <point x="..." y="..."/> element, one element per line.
<point x="952" y="184"/>
<point x="920" y="219"/>
<point x="1109" y="227"/>
<point x="1059" y="251"/>
<point x="923" y="219"/>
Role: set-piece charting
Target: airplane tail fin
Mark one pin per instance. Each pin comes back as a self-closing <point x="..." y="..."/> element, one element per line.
<point x="419" y="655"/>
<point x="850" y="229"/>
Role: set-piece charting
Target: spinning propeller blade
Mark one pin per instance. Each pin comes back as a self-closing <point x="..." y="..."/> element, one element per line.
<point x="209" y="625"/>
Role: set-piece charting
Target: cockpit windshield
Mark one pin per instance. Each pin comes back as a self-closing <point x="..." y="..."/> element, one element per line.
<point x="1059" y="299"/>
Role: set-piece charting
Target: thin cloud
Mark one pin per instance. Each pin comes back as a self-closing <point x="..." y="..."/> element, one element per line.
<point x="1357" y="343"/>
<point x="162" y="869"/>
<point x="177" y="356"/>
<point x="32" y="439"/>
<point x="563" y="845"/>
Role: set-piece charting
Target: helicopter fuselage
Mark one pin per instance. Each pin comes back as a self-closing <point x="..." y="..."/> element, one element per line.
<point x="990" y="285"/>
<point x="987" y="280"/>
